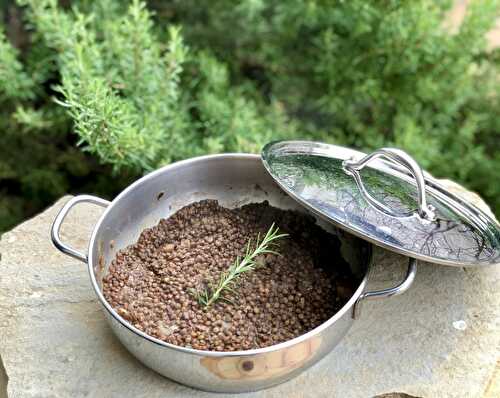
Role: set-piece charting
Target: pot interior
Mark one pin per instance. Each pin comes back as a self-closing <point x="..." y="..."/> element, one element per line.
<point x="233" y="180"/>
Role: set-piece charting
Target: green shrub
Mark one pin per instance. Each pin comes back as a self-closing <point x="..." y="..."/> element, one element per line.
<point x="137" y="87"/>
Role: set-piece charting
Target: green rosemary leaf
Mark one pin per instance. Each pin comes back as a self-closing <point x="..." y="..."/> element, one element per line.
<point x="227" y="280"/>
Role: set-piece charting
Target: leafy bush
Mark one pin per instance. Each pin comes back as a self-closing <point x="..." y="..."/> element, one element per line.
<point x="137" y="87"/>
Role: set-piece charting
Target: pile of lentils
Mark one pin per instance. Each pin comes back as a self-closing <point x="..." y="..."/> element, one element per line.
<point x="150" y="283"/>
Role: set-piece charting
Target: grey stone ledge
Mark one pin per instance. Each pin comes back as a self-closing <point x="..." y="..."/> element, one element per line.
<point x="440" y="339"/>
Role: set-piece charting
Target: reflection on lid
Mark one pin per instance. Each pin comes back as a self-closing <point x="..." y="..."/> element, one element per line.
<point x="322" y="184"/>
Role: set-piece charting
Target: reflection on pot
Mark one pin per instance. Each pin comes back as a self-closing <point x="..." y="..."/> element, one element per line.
<point x="263" y="366"/>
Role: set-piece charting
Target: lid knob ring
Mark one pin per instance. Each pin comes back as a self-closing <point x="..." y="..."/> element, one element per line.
<point x="400" y="158"/>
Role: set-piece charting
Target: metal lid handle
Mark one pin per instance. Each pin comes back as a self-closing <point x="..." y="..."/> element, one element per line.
<point x="401" y="158"/>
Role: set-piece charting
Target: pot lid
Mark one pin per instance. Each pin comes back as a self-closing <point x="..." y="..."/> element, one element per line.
<point x="387" y="199"/>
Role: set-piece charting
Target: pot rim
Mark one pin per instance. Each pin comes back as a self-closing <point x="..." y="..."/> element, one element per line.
<point x="347" y="306"/>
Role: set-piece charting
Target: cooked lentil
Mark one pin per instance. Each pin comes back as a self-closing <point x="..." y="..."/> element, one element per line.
<point x="149" y="282"/>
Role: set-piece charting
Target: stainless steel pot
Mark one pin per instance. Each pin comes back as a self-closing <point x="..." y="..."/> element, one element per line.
<point x="234" y="180"/>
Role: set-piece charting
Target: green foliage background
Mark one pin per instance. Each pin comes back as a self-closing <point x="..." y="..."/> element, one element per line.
<point x="95" y="93"/>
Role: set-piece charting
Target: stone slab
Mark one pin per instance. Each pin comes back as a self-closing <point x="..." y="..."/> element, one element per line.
<point x="440" y="339"/>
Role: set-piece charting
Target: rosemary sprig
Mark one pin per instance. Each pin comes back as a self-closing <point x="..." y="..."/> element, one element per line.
<point x="211" y="294"/>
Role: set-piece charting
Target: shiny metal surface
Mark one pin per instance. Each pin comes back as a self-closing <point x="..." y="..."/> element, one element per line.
<point x="353" y="167"/>
<point x="56" y="226"/>
<point x="313" y="173"/>
<point x="389" y="292"/>
<point x="234" y="180"/>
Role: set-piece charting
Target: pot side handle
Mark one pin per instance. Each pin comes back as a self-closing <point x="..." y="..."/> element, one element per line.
<point x="56" y="226"/>
<point x="393" y="291"/>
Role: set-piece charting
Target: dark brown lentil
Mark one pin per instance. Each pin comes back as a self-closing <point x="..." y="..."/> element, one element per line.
<point x="149" y="282"/>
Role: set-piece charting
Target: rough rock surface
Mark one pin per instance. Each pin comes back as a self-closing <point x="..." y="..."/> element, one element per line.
<point x="440" y="339"/>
